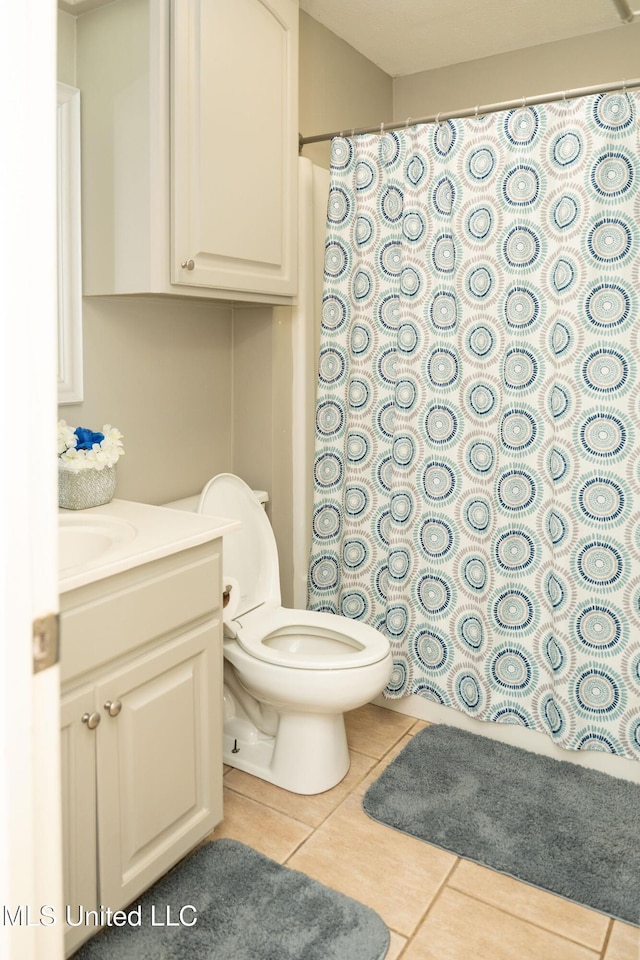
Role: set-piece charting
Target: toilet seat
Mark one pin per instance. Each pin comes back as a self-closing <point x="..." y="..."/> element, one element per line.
<point x="255" y="617"/>
<point x="308" y="640"/>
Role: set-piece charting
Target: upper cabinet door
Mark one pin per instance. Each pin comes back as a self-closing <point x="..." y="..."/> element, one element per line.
<point x="234" y="139"/>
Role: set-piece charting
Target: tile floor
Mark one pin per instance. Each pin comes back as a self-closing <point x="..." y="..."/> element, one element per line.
<point x="437" y="906"/>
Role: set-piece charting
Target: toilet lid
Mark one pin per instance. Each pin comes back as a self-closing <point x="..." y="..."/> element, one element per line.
<point x="249" y="555"/>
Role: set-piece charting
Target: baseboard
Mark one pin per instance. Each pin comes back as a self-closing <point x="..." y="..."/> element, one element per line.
<point x="516" y="736"/>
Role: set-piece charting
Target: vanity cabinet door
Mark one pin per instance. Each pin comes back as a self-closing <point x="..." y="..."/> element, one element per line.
<point x="234" y="144"/>
<point x="159" y="773"/>
<point x="78" y="768"/>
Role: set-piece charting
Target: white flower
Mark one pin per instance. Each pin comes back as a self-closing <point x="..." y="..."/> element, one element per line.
<point x="111" y="433"/>
<point x="100" y="455"/>
<point x="66" y="436"/>
<point x="111" y="446"/>
<point x="72" y="459"/>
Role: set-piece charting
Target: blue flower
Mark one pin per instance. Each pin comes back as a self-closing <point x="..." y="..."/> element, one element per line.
<point x="87" y="438"/>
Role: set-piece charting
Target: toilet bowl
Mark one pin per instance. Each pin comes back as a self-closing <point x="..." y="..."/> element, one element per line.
<point x="289" y="675"/>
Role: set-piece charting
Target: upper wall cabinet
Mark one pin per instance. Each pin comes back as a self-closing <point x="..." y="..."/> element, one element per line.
<point x="233" y="130"/>
<point x="190" y="148"/>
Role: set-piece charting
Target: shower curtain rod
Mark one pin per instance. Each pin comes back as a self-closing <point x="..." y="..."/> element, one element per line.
<point x="476" y="111"/>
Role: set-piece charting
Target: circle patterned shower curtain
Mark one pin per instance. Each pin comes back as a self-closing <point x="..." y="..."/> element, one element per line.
<point x="478" y="410"/>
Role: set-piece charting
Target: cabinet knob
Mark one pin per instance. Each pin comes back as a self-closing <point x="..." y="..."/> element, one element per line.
<point x="91" y="719"/>
<point x="188" y="264"/>
<point x="113" y="707"/>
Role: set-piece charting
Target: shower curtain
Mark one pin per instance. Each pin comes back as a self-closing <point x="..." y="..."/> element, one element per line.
<point x="476" y="459"/>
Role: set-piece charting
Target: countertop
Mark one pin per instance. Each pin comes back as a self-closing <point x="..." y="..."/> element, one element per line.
<point x="126" y="535"/>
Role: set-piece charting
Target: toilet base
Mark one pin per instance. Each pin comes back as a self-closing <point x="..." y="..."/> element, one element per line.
<point x="308" y="755"/>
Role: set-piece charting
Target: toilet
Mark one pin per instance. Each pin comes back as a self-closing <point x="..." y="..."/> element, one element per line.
<point x="289" y="675"/>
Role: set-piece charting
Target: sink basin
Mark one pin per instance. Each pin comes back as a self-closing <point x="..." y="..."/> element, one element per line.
<point x="83" y="540"/>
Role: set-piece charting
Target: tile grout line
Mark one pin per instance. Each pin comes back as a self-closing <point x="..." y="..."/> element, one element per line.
<point x="376" y="760"/>
<point x="518" y="916"/>
<point x="449" y="879"/>
<point x="607" y="938"/>
<point x="292" y="816"/>
<point x="391" y="746"/>
<point x="267" y="806"/>
<point x="600" y="953"/>
<point x="338" y="805"/>
<point x="313" y="828"/>
<point x="408" y="939"/>
<point x="380" y="758"/>
<point x="428" y="909"/>
<point x="298" y="846"/>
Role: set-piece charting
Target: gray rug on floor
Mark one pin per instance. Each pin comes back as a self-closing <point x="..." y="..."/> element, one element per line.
<point x="566" y="829"/>
<point x="248" y="908"/>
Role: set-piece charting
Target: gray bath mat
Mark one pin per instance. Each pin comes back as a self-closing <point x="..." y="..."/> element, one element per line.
<point x="248" y="908"/>
<point x="566" y="829"/>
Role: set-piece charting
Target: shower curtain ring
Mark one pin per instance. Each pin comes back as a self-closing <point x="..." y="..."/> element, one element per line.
<point x="438" y="118"/>
<point x="524" y="102"/>
<point x="408" y="121"/>
<point x="476" y="111"/>
<point x="381" y="129"/>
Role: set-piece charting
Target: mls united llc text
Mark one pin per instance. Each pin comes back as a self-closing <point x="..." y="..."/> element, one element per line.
<point x="153" y="915"/>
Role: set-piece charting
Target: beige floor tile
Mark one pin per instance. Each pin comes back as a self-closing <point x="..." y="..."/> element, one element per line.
<point x="394" y="874"/>
<point x="418" y="725"/>
<point x="530" y="903"/>
<point x="624" y="942"/>
<point x="311" y="810"/>
<point x="472" y="912"/>
<point x="396" y="946"/>
<point x="460" y="928"/>
<point x="375" y="771"/>
<point x="373" y="730"/>
<point x="266" y="830"/>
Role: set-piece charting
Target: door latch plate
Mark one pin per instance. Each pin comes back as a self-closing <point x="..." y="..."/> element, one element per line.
<point x="46" y="646"/>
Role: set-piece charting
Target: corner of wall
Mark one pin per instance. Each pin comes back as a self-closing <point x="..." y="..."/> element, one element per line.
<point x="261" y="405"/>
<point x="339" y="87"/>
<point x="251" y="405"/>
<point x="66" y="48"/>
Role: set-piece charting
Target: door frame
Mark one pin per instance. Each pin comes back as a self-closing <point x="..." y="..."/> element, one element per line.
<point x="30" y="831"/>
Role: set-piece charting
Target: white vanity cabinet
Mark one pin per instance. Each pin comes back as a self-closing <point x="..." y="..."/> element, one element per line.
<point x="141" y="711"/>
<point x="189" y="147"/>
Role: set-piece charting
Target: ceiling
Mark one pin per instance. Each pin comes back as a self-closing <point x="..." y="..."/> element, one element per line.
<point x="408" y="36"/>
<point x="76" y="7"/>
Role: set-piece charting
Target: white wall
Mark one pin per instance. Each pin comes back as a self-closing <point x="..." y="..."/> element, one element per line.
<point x="262" y="419"/>
<point x="339" y="88"/>
<point x="160" y="371"/>
<point x="578" y="62"/>
<point x="66" y="53"/>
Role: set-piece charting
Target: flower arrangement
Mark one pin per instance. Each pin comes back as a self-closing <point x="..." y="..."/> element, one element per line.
<point x="83" y="449"/>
